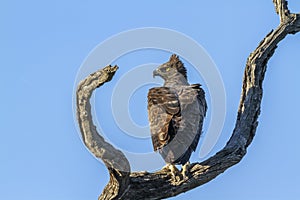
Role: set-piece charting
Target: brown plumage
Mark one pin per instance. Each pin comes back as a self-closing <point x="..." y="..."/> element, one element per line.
<point x="176" y="112"/>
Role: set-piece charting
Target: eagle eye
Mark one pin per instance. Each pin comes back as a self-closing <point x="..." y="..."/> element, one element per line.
<point x="168" y="69"/>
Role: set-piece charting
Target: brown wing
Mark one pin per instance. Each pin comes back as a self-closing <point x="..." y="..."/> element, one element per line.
<point x="193" y="111"/>
<point x="164" y="115"/>
<point x="198" y="92"/>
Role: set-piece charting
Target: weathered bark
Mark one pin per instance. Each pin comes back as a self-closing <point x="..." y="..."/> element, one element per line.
<point x="124" y="184"/>
<point x="115" y="161"/>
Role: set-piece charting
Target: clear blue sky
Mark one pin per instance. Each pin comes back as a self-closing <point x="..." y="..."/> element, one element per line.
<point x="43" y="44"/>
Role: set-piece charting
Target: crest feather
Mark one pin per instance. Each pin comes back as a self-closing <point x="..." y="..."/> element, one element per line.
<point x="176" y="62"/>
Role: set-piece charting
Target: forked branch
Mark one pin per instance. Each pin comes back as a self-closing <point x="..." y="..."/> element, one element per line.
<point x="125" y="184"/>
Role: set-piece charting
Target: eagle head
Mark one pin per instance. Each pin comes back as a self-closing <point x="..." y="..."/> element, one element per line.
<point x="172" y="68"/>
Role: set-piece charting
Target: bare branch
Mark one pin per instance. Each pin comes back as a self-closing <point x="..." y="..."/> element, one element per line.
<point x="114" y="159"/>
<point x="282" y="10"/>
<point x="158" y="185"/>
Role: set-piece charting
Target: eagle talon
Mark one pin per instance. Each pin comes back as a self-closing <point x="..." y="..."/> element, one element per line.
<point x="185" y="170"/>
<point x="166" y="167"/>
<point x="172" y="168"/>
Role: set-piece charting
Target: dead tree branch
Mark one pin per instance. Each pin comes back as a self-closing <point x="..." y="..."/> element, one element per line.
<point x="115" y="161"/>
<point x="124" y="184"/>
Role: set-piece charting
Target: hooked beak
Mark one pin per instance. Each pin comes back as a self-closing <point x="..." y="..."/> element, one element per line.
<point x="155" y="73"/>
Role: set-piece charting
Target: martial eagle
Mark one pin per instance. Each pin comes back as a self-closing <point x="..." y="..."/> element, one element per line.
<point x="176" y="112"/>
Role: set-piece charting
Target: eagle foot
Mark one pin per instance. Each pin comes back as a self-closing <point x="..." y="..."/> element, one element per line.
<point x="185" y="170"/>
<point x="172" y="168"/>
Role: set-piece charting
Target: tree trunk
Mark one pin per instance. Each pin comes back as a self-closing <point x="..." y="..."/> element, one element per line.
<point x="125" y="184"/>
